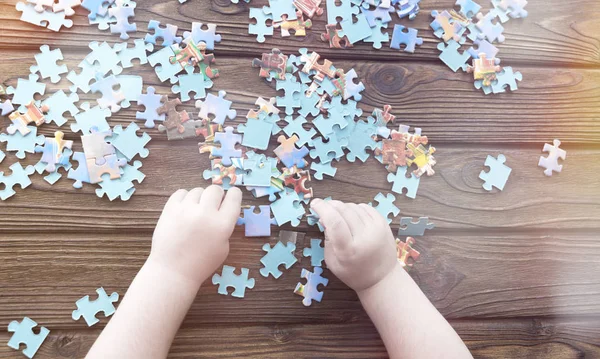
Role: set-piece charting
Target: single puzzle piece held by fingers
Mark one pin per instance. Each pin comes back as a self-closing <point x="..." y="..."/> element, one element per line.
<point x="276" y="256"/>
<point x="23" y="334"/>
<point x="310" y="290"/>
<point x="498" y="173"/>
<point x="315" y="252"/>
<point x="555" y="153"/>
<point x="257" y="225"/>
<point x="410" y="228"/>
<point x="228" y="279"/>
<point x="88" y="309"/>
<point x="386" y="206"/>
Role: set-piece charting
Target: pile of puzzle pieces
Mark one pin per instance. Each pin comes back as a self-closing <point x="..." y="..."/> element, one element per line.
<point x="347" y="23"/>
<point x="455" y="27"/>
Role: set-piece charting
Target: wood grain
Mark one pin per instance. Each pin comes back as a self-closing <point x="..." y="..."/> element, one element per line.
<point x="521" y="338"/>
<point x="553" y="35"/>
<point x="43" y="275"/>
<point x="550" y="103"/>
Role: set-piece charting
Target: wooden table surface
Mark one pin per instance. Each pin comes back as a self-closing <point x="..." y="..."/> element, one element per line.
<point x="516" y="272"/>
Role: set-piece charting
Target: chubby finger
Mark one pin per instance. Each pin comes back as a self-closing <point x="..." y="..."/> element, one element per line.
<point x="349" y="212"/>
<point x="336" y="228"/>
<point x="176" y="197"/>
<point x="212" y="197"/>
<point x="194" y="195"/>
<point x="232" y="203"/>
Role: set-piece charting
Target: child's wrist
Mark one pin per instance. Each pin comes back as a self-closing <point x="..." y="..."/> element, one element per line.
<point x="395" y="277"/>
<point x="164" y="271"/>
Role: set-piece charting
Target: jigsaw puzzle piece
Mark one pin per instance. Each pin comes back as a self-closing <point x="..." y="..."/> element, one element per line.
<point x="295" y="127"/>
<point x="386" y="206"/>
<point x="91" y="117"/>
<point x="261" y="28"/>
<point x="81" y="174"/>
<point x="122" y="186"/>
<point x="122" y="11"/>
<point x="138" y="51"/>
<point x="88" y="309"/>
<point x="58" y="104"/>
<point x="344" y="11"/>
<point x="110" y="98"/>
<point x="410" y="228"/>
<point x="405" y="36"/>
<point x="23" y="334"/>
<point x="257" y="224"/>
<point x="47" y="64"/>
<point x="82" y="80"/>
<point x="277" y="255"/>
<point x="111" y="165"/>
<point x="22" y="144"/>
<point x="310" y="290"/>
<point x="19" y="176"/>
<point x="498" y="173"/>
<point x="105" y="57"/>
<point x="217" y="106"/>
<point x="163" y="67"/>
<point x="191" y="82"/>
<point x="289" y="154"/>
<point x="228" y="279"/>
<point x="199" y="34"/>
<point x="451" y="57"/>
<point x="406" y="254"/>
<point x="167" y="33"/>
<point x="228" y="140"/>
<point x="323" y="169"/>
<point x="555" y="153"/>
<point x="26" y="90"/>
<point x="53" y="151"/>
<point x="129" y="143"/>
<point x="288" y="208"/>
<point x="401" y="182"/>
<point x="51" y="20"/>
<point x="316" y="252"/>
<point x="378" y="34"/>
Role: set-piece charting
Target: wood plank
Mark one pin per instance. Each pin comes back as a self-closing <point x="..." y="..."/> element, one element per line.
<point x="526" y="338"/>
<point x="550" y="103"/>
<point x="465" y="276"/>
<point x="453" y="198"/>
<point x="555" y="33"/>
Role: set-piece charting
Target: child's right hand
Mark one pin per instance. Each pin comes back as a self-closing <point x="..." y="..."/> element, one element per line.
<point x="192" y="234"/>
<point x="359" y="245"/>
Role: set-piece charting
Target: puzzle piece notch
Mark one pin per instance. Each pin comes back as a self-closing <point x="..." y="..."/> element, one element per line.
<point x="277" y="255"/>
<point x="310" y="290"/>
<point x="316" y="252"/>
<point x="498" y="173"/>
<point x="228" y="279"/>
<point x="257" y="224"/>
<point x="410" y="228"/>
<point x="550" y="163"/>
<point x="386" y="206"/>
<point x="88" y="309"/>
<point x="23" y="334"/>
<point x="199" y="34"/>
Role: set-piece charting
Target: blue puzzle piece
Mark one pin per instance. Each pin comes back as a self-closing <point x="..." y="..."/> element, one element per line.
<point x="276" y="256"/>
<point x="81" y="174"/>
<point x="308" y="103"/>
<point x="121" y="187"/>
<point x="378" y="13"/>
<point x="270" y="191"/>
<point x="53" y="177"/>
<point x="506" y="78"/>
<point x="138" y="51"/>
<point x="46" y="64"/>
<point x="280" y="8"/>
<point x="344" y="11"/>
<point x="378" y="34"/>
<point x="451" y="57"/>
<point x="292" y="92"/>
<point x="260" y="29"/>
<point x="121" y="12"/>
<point x="191" y="82"/>
<point x="163" y="67"/>
<point x="315" y="252"/>
<point x="289" y="154"/>
<point x="295" y="127"/>
<point x="19" y="176"/>
<point x="356" y="30"/>
<point x="26" y="90"/>
<point x="52" y="151"/>
<point x="386" y="206"/>
<point x="328" y="125"/>
<point x="498" y="173"/>
<point x="468" y="8"/>
<point x="217" y="106"/>
<point x="58" y="104"/>
<point x="257" y="224"/>
<point x="88" y="309"/>
<point x="327" y="151"/>
<point x="152" y="102"/>
<point x="408" y="228"/>
<point x="23" y="334"/>
<point x="322" y="169"/>
<point x="310" y="290"/>
<point x="489" y="30"/>
<point x="259" y="170"/>
<point x="227" y="151"/>
<point x="353" y="89"/>
<point x="401" y="182"/>
<point x="168" y="34"/>
<point x="91" y="117"/>
<point x="483" y="46"/>
<point x="228" y="279"/>
<point x="128" y="142"/>
<point x="22" y="144"/>
<point x="257" y="132"/>
<point x="287" y="208"/>
<point x="360" y="139"/>
<point x="96" y="7"/>
<point x="198" y="34"/>
<point x="408" y="38"/>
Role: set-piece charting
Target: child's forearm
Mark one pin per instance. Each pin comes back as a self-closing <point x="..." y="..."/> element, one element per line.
<point x="149" y="315"/>
<point x="410" y="326"/>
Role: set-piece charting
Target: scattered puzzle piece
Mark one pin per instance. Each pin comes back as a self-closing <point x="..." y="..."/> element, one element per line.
<point x="122" y="186"/>
<point x="405" y="36"/>
<point x="315" y="252"/>
<point x="406" y="254"/>
<point x="129" y="143"/>
<point x="289" y="154"/>
<point x="216" y="106"/>
<point x="19" y="176"/>
<point x="22" y="144"/>
<point x="401" y="182"/>
<point x="23" y="334"/>
<point x="310" y="290"/>
<point x="410" y="228"/>
<point x="152" y="102"/>
<point x="168" y="34"/>
<point x="277" y="255"/>
<point x="257" y="224"/>
<point x="550" y="163"/>
<point x="386" y="206"/>
<point x="47" y="64"/>
<point x="88" y="309"/>
<point x="51" y="20"/>
<point x="498" y="173"/>
<point x="228" y="279"/>
<point x="53" y="151"/>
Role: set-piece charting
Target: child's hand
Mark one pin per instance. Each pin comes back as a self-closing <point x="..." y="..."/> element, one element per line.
<point x="192" y="234"/>
<point x="359" y="246"/>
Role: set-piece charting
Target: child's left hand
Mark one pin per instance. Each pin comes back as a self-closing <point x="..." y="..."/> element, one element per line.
<point x="192" y="234"/>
